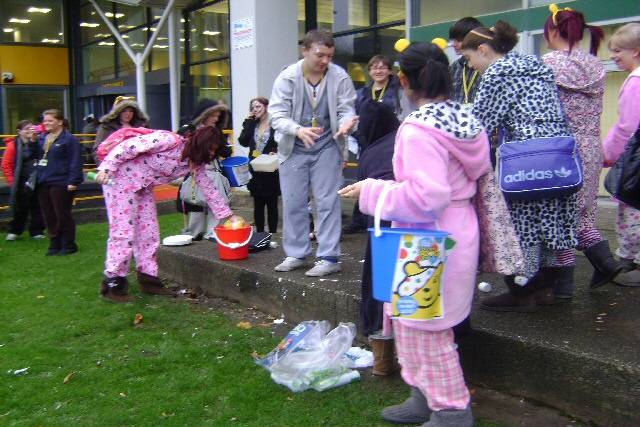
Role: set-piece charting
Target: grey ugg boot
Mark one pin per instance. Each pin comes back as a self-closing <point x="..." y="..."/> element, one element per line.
<point x="451" y="418"/>
<point x="414" y="410"/>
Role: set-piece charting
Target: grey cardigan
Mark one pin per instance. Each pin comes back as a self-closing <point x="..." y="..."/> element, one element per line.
<point x="285" y="105"/>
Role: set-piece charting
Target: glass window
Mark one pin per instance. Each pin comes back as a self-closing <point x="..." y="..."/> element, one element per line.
<point x="98" y="61"/>
<point x="29" y="103"/>
<point x="301" y="19"/>
<point x="325" y="14"/>
<point x="137" y="40"/>
<point x="160" y="51"/>
<point x="433" y="11"/>
<point x="92" y="27"/>
<point x="128" y="17"/>
<point x="351" y="15"/>
<point x="212" y="80"/>
<point x="391" y="10"/>
<point x="28" y="21"/>
<point x="209" y="32"/>
<point x="353" y="52"/>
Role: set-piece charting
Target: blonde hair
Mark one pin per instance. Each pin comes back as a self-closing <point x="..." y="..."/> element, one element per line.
<point x="626" y="37"/>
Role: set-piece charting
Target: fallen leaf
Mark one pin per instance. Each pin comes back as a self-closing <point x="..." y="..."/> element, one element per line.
<point x="265" y="325"/>
<point x="138" y="319"/>
<point x="168" y="414"/>
<point x="40" y="296"/>
<point x="289" y="398"/>
<point x="244" y="325"/>
<point x="68" y="377"/>
<point x="123" y="395"/>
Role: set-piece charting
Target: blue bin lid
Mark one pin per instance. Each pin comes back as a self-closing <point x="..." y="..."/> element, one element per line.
<point x="235" y="161"/>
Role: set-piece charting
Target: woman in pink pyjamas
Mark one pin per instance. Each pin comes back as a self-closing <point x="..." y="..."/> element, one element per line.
<point x="138" y="160"/>
<point x="440" y="152"/>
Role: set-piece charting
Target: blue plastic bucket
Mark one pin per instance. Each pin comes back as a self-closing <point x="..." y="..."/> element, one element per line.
<point x="399" y="252"/>
<point x="236" y="169"/>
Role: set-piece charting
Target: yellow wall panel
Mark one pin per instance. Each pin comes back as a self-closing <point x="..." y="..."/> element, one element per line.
<point x="32" y="65"/>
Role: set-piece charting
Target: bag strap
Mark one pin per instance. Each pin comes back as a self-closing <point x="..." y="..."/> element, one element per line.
<point x="502" y="132"/>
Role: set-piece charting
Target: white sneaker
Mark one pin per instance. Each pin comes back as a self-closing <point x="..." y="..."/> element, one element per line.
<point x="323" y="267"/>
<point x="289" y="263"/>
<point x="39" y="237"/>
<point x="11" y="237"/>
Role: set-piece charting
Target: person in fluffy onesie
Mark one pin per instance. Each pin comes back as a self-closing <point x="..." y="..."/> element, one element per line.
<point x="138" y="159"/>
<point x="440" y="152"/>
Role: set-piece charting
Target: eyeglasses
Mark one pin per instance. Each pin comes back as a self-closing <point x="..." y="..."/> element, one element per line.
<point x="256" y="107"/>
<point x="382" y="68"/>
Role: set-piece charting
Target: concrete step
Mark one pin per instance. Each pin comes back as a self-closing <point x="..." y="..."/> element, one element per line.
<point x="582" y="357"/>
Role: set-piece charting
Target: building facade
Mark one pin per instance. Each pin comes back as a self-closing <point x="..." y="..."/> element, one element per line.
<point x="60" y="54"/>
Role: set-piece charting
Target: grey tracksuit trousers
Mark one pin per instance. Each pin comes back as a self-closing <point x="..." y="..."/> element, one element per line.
<point x="319" y="175"/>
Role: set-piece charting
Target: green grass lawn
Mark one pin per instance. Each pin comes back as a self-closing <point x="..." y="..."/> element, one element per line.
<point x="187" y="365"/>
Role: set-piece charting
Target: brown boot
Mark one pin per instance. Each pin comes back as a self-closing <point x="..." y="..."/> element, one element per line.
<point x="385" y="361"/>
<point x="115" y="289"/>
<point x="152" y="285"/>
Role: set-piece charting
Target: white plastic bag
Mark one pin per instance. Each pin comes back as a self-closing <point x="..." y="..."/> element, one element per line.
<point x="312" y="357"/>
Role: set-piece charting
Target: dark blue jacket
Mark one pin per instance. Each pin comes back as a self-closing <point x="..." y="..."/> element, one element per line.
<point x="378" y="126"/>
<point x="64" y="161"/>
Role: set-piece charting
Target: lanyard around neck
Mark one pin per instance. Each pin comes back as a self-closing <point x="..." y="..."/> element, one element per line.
<point x="382" y="91"/>
<point x="467" y="88"/>
<point x="48" y="142"/>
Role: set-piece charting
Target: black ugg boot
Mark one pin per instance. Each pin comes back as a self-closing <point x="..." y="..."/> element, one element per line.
<point x="115" y="289"/>
<point x="55" y="245"/>
<point x="414" y="410"/>
<point x="518" y="298"/>
<point x="152" y="285"/>
<point x="561" y="279"/>
<point x="68" y="248"/>
<point x="606" y="267"/>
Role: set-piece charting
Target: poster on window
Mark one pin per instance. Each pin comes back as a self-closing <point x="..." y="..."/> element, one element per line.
<point x="242" y="33"/>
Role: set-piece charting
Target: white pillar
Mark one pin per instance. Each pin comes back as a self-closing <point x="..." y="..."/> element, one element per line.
<point x="141" y="91"/>
<point x="174" y="68"/>
<point x="275" y="45"/>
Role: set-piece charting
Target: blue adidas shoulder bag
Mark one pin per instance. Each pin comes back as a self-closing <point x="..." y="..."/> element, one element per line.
<point x="539" y="168"/>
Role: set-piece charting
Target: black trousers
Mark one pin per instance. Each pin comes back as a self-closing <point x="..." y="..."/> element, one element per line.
<point x="358" y="219"/>
<point x="56" y="202"/>
<point x="271" y="203"/>
<point x="26" y="206"/>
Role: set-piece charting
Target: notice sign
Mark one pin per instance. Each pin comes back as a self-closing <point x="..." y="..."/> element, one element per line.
<point x="242" y="33"/>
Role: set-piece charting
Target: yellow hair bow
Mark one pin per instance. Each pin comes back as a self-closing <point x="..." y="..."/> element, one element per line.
<point x="401" y="45"/>
<point x="554" y="9"/>
<point x="440" y="42"/>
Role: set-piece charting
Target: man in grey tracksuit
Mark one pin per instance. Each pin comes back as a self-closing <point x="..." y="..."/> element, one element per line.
<point x="312" y="111"/>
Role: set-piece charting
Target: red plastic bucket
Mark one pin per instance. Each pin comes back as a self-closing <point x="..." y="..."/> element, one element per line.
<point x="233" y="244"/>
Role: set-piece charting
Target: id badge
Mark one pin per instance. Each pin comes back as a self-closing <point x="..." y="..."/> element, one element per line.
<point x="43" y="162"/>
<point x="256" y="153"/>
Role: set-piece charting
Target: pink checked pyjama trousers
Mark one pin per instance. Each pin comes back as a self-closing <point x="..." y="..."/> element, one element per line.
<point x="628" y="228"/>
<point x="133" y="230"/>
<point x="430" y="362"/>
